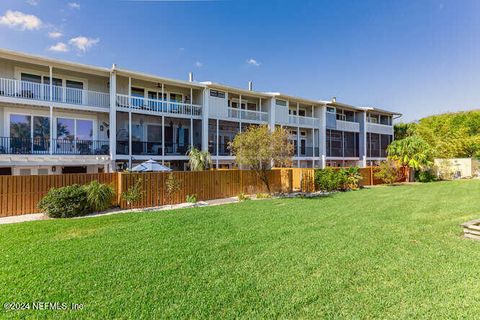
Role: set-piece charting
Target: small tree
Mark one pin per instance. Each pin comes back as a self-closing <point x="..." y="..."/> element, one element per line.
<point x="133" y="193"/>
<point x="258" y="148"/>
<point x="172" y="185"/>
<point x="413" y="152"/>
<point x="199" y="160"/>
<point x="387" y="171"/>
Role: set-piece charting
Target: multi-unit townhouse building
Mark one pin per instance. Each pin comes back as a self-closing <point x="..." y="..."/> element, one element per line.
<point x="63" y="117"/>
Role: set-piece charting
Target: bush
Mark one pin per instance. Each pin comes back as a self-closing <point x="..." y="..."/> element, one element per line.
<point x="330" y="179"/>
<point x="425" y="176"/>
<point x="99" y="196"/>
<point x="242" y="197"/>
<point x="352" y="178"/>
<point x="134" y="193"/>
<point x="191" y="198"/>
<point x="66" y="202"/>
<point x="263" y="196"/>
<point x="387" y="171"/>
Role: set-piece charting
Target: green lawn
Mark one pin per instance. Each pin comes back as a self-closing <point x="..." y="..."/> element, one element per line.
<point x="386" y="252"/>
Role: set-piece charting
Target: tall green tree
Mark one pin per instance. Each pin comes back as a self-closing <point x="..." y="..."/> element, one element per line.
<point x="403" y="130"/>
<point x="258" y="148"/>
<point x="199" y="160"/>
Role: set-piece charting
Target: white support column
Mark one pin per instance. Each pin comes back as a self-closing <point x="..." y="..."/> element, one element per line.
<point x="130" y="139"/>
<point x="113" y="118"/>
<point x="163" y="140"/>
<point x="205" y="113"/>
<point x="322" y="133"/>
<point x="50" y="149"/>
<point x="260" y="104"/>
<point x="272" y="114"/>
<point x="313" y="149"/>
<point x="298" y="135"/>
<point x="240" y="112"/>
<point x="216" y="143"/>
<point x="191" y="133"/>
<point x="130" y="122"/>
<point x="363" y="137"/>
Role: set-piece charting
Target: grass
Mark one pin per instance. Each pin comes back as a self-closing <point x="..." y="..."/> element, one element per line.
<point x="387" y="252"/>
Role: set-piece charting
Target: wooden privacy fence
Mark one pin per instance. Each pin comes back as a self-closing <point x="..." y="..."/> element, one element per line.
<point x="21" y="194"/>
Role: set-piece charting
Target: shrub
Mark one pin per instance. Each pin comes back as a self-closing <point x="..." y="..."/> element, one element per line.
<point x="330" y="179"/>
<point x="425" y="176"/>
<point x="263" y="196"/>
<point x="99" y="196"/>
<point x="387" y="171"/>
<point x="134" y="193"/>
<point x="66" y="202"/>
<point x="242" y="197"/>
<point x="352" y="178"/>
<point x="172" y="185"/>
<point x="191" y="198"/>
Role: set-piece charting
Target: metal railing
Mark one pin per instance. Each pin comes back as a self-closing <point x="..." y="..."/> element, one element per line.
<point x="41" y="146"/>
<point x="41" y="92"/>
<point x="247" y="114"/>
<point x="153" y="148"/>
<point x="157" y="105"/>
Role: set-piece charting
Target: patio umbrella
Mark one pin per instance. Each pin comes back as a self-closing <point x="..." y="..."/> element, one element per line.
<point x="151" y="166"/>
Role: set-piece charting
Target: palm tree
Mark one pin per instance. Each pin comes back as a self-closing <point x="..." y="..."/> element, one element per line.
<point x="413" y="152"/>
<point x="199" y="160"/>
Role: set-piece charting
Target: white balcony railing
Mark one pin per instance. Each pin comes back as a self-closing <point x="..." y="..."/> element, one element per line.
<point x="41" y="92"/>
<point x="301" y="120"/>
<point x="247" y="114"/>
<point x="158" y="106"/>
<point x="379" y="128"/>
<point x="344" y="125"/>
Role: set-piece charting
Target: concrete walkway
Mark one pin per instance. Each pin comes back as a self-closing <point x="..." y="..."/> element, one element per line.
<point x="41" y="216"/>
<point x="23" y="218"/>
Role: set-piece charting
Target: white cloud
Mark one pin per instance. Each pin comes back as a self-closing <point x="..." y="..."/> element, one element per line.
<point x="253" y="62"/>
<point x="198" y="64"/>
<point x="59" y="47"/>
<point x="20" y="20"/>
<point x="32" y="2"/>
<point x="83" y="43"/>
<point x="74" y="5"/>
<point x="55" y="34"/>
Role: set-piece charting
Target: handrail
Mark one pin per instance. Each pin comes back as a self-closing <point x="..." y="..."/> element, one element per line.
<point x="158" y="105"/>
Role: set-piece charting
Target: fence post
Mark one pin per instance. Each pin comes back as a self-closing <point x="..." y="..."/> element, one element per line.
<point x="119" y="188"/>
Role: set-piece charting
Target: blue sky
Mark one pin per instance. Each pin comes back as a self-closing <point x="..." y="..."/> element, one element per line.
<point x="414" y="57"/>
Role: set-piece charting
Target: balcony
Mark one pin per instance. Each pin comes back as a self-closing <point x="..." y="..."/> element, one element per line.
<point x="158" y="106"/>
<point x="242" y="114"/>
<point x="152" y="148"/>
<point x="379" y="128"/>
<point x="303" y="121"/>
<point x="26" y="90"/>
<point x="41" y="146"/>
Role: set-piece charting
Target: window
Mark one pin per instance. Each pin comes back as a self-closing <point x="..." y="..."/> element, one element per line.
<point x="84" y="130"/>
<point x="74" y="84"/>
<point x="20" y="126"/>
<point x="282" y="103"/>
<point x="251" y="106"/>
<point x="301" y="113"/>
<point x="331" y="109"/>
<point x="217" y="94"/>
<point x="31" y="77"/>
<point x="65" y="129"/>
<point x="74" y="129"/>
<point x="42" y="171"/>
<point x="25" y="172"/>
<point x="386" y="120"/>
<point x="292" y="112"/>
